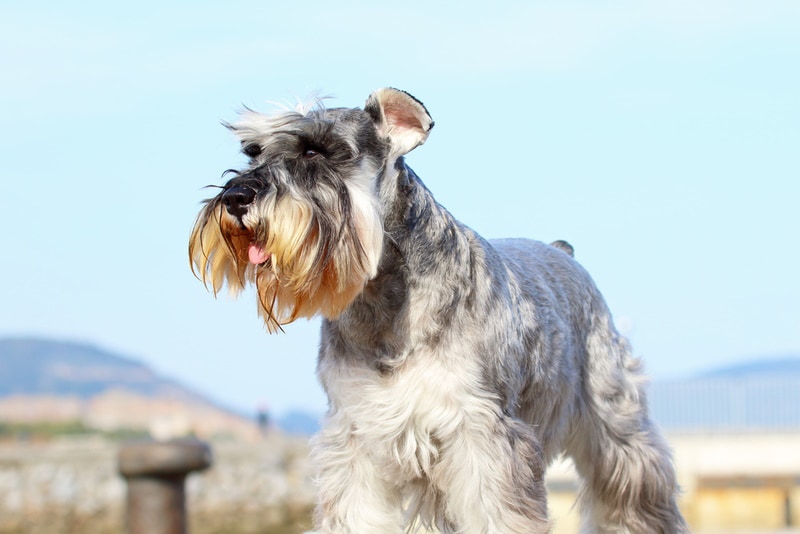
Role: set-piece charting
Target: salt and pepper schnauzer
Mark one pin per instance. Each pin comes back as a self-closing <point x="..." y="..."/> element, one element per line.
<point x="456" y="368"/>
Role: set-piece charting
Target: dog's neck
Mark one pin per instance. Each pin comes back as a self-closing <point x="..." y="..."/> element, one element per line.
<point x="415" y="224"/>
<point x="423" y="238"/>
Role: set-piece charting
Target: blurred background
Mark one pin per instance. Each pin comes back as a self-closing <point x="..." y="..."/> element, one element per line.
<point x="659" y="138"/>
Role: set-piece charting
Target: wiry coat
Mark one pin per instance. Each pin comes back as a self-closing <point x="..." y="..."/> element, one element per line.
<point x="462" y="367"/>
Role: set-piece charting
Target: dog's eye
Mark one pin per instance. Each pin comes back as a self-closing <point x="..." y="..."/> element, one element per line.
<point x="309" y="153"/>
<point x="252" y="150"/>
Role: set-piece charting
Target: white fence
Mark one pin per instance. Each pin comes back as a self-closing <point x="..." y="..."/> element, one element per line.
<point x="727" y="404"/>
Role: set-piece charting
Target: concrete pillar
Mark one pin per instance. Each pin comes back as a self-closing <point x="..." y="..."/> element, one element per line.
<point x="156" y="472"/>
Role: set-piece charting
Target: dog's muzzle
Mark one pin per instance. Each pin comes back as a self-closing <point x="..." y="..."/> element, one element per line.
<point x="237" y="199"/>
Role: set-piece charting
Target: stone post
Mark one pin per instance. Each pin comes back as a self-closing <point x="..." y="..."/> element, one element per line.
<point x="155" y="472"/>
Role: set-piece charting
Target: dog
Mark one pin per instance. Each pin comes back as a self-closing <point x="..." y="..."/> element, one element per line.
<point x="456" y="368"/>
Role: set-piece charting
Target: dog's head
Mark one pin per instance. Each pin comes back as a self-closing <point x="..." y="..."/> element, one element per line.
<point x="303" y="221"/>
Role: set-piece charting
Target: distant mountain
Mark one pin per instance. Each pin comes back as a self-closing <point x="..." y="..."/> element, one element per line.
<point x="57" y="381"/>
<point x="38" y="366"/>
<point x="775" y="367"/>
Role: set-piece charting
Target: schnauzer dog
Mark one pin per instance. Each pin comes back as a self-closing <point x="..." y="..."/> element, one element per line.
<point x="456" y="368"/>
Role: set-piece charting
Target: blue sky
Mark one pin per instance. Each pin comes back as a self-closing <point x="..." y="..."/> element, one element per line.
<point x="662" y="139"/>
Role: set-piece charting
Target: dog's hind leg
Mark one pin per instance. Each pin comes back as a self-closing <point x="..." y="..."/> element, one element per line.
<point x="628" y="478"/>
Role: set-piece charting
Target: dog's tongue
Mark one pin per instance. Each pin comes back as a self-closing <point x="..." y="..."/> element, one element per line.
<point x="257" y="255"/>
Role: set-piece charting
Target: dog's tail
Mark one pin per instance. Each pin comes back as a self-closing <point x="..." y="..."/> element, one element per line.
<point x="564" y="247"/>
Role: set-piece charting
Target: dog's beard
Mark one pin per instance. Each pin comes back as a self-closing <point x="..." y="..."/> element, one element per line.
<point x="304" y="257"/>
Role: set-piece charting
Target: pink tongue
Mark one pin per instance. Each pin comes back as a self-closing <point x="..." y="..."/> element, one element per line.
<point x="257" y="255"/>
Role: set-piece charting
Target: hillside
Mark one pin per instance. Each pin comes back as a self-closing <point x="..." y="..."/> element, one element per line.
<point x="55" y="381"/>
<point x="38" y="366"/>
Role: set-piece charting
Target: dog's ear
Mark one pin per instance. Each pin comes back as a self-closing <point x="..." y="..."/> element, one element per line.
<point x="401" y="118"/>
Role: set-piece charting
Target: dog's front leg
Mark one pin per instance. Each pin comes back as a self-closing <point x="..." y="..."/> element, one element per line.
<point x="354" y="497"/>
<point x="492" y="477"/>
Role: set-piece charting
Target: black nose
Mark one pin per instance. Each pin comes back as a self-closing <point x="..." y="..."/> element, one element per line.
<point x="236" y="200"/>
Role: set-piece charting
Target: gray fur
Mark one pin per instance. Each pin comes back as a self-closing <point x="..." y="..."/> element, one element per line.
<point x="466" y="366"/>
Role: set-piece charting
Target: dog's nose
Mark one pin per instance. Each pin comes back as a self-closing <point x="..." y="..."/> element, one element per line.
<point x="236" y="200"/>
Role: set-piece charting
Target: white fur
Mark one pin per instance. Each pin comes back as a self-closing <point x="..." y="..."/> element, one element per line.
<point x="367" y="214"/>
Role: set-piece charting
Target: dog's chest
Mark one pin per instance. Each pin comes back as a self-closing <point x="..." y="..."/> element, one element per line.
<point x="405" y="420"/>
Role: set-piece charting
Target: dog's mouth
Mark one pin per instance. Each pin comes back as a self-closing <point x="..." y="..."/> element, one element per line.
<point x="257" y="255"/>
